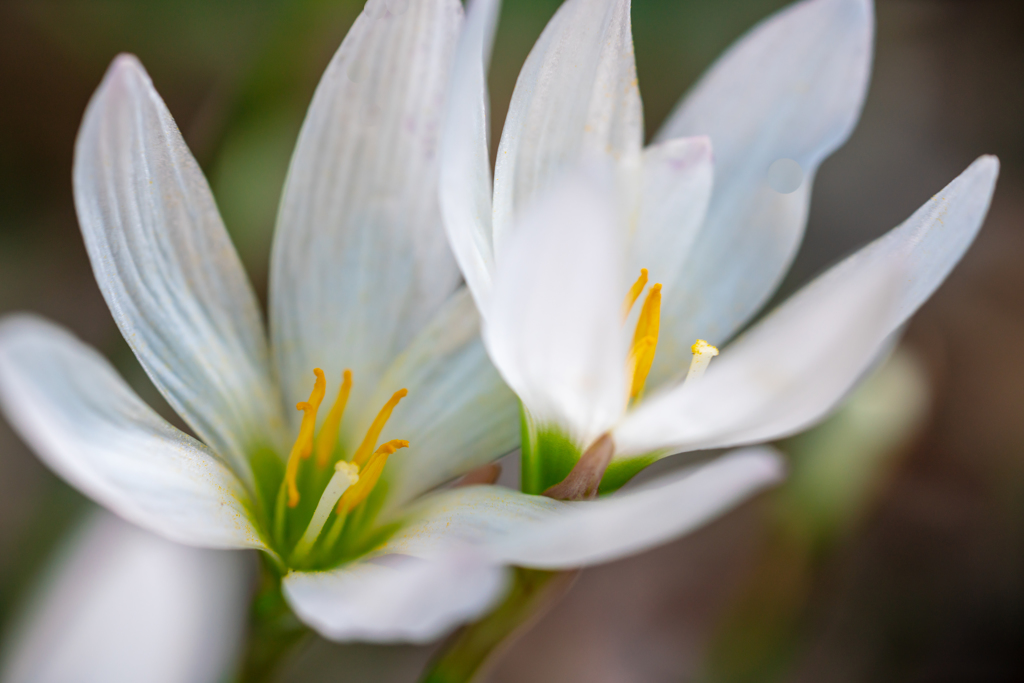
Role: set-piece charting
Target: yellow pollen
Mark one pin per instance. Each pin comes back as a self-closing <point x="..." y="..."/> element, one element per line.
<point x="634" y="293"/>
<point x="303" y="445"/>
<point x="645" y="341"/>
<point x="328" y="437"/>
<point x="363" y="453"/>
<point x="368" y="476"/>
<point x="702" y="355"/>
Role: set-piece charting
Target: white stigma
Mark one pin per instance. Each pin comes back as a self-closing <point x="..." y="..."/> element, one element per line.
<point x="345" y="475"/>
<point x="702" y="355"/>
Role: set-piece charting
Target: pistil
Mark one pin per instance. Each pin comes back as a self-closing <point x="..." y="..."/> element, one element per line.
<point x="358" y="492"/>
<point x="702" y="355"/>
<point x="346" y="474"/>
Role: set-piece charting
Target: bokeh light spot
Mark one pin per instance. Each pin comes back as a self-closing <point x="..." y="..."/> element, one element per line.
<point x="374" y="9"/>
<point x="785" y="176"/>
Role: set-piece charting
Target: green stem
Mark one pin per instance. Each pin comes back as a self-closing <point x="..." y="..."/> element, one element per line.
<point x="471" y="649"/>
<point x="273" y="630"/>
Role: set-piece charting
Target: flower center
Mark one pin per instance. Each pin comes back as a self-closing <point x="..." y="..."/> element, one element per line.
<point x="645" y="337"/>
<point x="352" y="481"/>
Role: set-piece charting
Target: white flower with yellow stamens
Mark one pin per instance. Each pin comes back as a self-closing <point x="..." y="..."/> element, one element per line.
<point x="549" y="267"/>
<point x="366" y="306"/>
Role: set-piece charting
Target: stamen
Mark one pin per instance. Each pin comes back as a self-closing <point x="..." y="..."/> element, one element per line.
<point x="328" y="437"/>
<point x="303" y="445"/>
<point x="634" y="293"/>
<point x="345" y="475"/>
<point x="645" y="341"/>
<point x="702" y="355"/>
<point x="363" y="453"/>
<point x="369" y="475"/>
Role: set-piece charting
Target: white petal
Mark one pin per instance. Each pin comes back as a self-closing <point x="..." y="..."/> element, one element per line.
<point x="458" y="416"/>
<point x="932" y="241"/>
<point x="576" y="100"/>
<point x="534" y="531"/>
<point x="791" y="89"/>
<point x="119" y="606"/>
<point x="465" y="186"/>
<point x="676" y="189"/>
<point x="554" y="330"/>
<point x="787" y="371"/>
<point x="444" y="567"/>
<point x="360" y="260"/>
<point x="396" y="598"/>
<point x="593" y="532"/>
<point x="85" y="423"/>
<point x="168" y="270"/>
<point x="791" y="368"/>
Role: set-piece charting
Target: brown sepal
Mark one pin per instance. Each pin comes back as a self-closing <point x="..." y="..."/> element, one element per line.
<point x="585" y="478"/>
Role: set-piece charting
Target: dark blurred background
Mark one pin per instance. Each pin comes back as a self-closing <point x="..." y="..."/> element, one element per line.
<point x="919" y="578"/>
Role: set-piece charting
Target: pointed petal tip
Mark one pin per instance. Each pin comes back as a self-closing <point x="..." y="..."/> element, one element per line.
<point x="125" y="66"/>
<point x="987" y="163"/>
<point x="124" y="78"/>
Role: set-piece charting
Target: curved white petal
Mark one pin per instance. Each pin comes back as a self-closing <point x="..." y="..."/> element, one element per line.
<point x="360" y="261"/>
<point x="85" y="423"/>
<point x="626" y="523"/>
<point x="790" y="89"/>
<point x="119" y="605"/>
<point x="576" y="100"/>
<point x="786" y="372"/>
<point x="792" y="368"/>
<point x="676" y="189"/>
<point x="396" y="597"/>
<point x="445" y="566"/>
<point x="534" y="531"/>
<point x="554" y="330"/>
<point x="458" y="416"/>
<point x="168" y="270"/>
<point x="465" y="185"/>
<point x="930" y="243"/>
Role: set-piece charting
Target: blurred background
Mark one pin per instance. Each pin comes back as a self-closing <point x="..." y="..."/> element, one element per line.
<point x="896" y="550"/>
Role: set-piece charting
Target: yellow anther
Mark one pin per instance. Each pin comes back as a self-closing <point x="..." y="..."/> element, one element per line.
<point x="702" y="355"/>
<point x="303" y="445"/>
<point x="634" y="293"/>
<point x="368" y="476"/>
<point x="640" y="361"/>
<point x="328" y="437"/>
<point x="365" y="449"/>
<point x="645" y="341"/>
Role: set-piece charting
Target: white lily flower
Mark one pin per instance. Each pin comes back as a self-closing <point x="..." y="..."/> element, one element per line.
<point x="363" y="287"/>
<point x="626" y="388"/>
<point x="119" y="605"/>
<point x="361" y="279"/>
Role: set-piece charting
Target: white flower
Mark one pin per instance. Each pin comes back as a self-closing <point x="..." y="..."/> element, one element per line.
<point x="119" y="605"/>
<point x="550" y="260"/>
<point x="361" y="279"/>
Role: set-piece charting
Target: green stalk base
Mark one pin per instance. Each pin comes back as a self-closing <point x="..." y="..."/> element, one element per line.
<point x="274" y="631"/>
<point x="470" y="650"/>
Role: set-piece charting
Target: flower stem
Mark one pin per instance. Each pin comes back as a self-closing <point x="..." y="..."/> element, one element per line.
<point x="274" y="630"/>
<point x="473" y="648"/>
